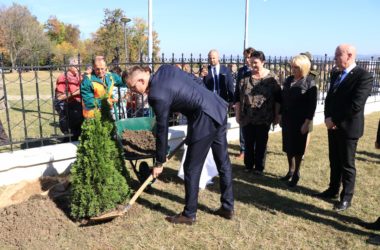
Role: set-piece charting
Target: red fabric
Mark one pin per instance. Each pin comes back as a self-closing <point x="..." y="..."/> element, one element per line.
<point x="73" y="83"/>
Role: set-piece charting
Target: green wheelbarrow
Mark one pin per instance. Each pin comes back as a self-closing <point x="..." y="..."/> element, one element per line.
<point x="139" y="123"/>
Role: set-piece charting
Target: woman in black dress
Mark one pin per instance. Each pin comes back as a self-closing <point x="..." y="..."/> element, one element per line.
<point x="299" y="101"/>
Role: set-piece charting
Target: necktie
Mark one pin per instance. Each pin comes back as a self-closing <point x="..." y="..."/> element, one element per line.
<point x="216" y="81"/>
<point x="340" y="78"/>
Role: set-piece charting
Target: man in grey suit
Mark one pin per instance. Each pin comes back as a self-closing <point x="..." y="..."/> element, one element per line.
<point x="173" y="90"/>
<point x="344" y="118"/>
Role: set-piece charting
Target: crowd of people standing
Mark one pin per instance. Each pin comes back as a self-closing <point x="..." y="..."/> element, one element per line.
<point x="259" y="100"/>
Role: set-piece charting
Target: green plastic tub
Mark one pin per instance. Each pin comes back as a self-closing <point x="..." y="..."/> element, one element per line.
<point x="138" y="123"/>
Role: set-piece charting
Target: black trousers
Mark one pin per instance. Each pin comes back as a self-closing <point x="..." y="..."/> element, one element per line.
<point x="195" y="158"/>
<point x="70" y="118"/>
<point x="256" y="139"/>
<point x="342" y="152"/>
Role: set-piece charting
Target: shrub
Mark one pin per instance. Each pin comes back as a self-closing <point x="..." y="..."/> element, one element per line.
<point x="97" y="175"/>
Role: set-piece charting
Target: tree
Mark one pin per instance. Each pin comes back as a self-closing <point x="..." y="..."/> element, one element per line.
<point x="87" y="50"/>
<point x="60" y="32"/>
<point x="65" y="38"/>
<point x="110" y="35"/>
<point x="55" y="30"/>
<point x="109" y="38"/>
<point x="23" y="36"/>
<point x="97" y="175"/>
<point x="62" y="50"/>
<point x="2" y="43"/>
<point x="72" y="34"/>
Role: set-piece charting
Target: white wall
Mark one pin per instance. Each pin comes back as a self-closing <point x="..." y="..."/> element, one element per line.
<point x="30" y="164"/>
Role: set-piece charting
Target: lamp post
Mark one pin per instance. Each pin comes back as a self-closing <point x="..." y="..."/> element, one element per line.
<point x="150" y="30"/>
<point x="246" y="24"/>
<point x="125" y="20"/>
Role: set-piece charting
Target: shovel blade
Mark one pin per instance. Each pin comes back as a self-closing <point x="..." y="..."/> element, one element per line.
<point x="106" y="217"/>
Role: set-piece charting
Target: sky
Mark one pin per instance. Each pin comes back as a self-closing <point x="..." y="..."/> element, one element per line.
<point x="277" y="27"/>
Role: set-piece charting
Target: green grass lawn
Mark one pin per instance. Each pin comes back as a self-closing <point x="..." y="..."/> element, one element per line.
<point x="30" y="81"/>
<point x="269" y="215"/>
<point x="30" y="117"/>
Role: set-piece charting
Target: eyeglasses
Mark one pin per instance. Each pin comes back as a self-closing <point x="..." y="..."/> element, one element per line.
<point x="132" y="87"/>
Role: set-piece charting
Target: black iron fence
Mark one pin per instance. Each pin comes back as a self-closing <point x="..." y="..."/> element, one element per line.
<point x="29" y="118"/>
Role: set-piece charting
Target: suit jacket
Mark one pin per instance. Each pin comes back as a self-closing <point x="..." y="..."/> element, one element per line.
<point x="345" y="103"/>
<point x="173" y="90"/>
<point x="226" y="83"/>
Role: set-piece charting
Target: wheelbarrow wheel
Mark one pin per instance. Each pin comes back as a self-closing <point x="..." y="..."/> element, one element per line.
<point x="144" y="172"/>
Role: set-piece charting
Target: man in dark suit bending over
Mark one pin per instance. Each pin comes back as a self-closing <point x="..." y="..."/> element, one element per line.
<point x="173" y="90"/>
<point x="344" y="119"/>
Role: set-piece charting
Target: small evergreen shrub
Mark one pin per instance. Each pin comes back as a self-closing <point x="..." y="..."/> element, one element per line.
<point x="98" y="183"/>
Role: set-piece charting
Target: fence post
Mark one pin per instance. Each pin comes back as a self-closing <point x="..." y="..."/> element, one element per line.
<point x="6" y="100"/>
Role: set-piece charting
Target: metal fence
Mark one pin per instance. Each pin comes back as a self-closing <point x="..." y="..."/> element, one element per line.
<point x="29" y="118"/>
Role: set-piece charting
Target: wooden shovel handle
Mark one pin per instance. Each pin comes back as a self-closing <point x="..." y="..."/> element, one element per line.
<point x="150" y="178"/>
<point x="140" y="190"/>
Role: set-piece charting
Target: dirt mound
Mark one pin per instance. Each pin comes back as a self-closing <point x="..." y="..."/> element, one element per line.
<point x="44" y="222"/>
<point x="36" y="220"/>
<point x="19" y="192"/>
<point x="137" y="143"/>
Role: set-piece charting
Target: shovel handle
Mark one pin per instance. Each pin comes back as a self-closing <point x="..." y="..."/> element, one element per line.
<point x="150" y="179"/>
<point x="140" y="190"/>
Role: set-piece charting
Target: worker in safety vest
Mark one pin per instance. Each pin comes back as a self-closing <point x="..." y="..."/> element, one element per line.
<point x="96" y="85"/>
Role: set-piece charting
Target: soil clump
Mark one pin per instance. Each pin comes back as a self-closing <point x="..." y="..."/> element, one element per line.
<point x="138" y="143"/>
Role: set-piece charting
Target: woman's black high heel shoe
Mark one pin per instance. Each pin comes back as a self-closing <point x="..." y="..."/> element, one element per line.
<point x="294" y="180"/>
<point x="287" y="176"/>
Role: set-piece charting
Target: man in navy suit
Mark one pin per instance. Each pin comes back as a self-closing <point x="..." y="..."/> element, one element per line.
<point x="218" y="78"/>
<point x="173" y="90"/>
<point x="344" y="118"/>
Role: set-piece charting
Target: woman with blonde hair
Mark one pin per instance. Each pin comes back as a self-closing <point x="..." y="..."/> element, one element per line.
<point x="299" y="101"/>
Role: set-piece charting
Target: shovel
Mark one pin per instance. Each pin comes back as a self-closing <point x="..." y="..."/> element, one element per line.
<point x="111" y="215"/>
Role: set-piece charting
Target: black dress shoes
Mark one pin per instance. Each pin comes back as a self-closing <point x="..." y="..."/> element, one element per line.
<point x="342" y="205"/>
<point x="294" y="180"/>
<point x="258" y="172"/>
<point x="226" y="214"/>
<point x="180" y="219"/>
<point x="327" y="194"/>
<point x="287" y="177"/>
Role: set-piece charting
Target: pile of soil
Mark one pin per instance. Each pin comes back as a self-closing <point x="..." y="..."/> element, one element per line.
<point x="28" y="214"/>
<point x="138" y="143"/>
<point x="22" y="191"/>
<point x="40" y="219"/>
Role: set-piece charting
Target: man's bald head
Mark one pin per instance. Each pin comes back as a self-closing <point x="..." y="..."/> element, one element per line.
<point x="213" y="57"/>
<point x="348" y="48"/>
<point x="345" y="55"/>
